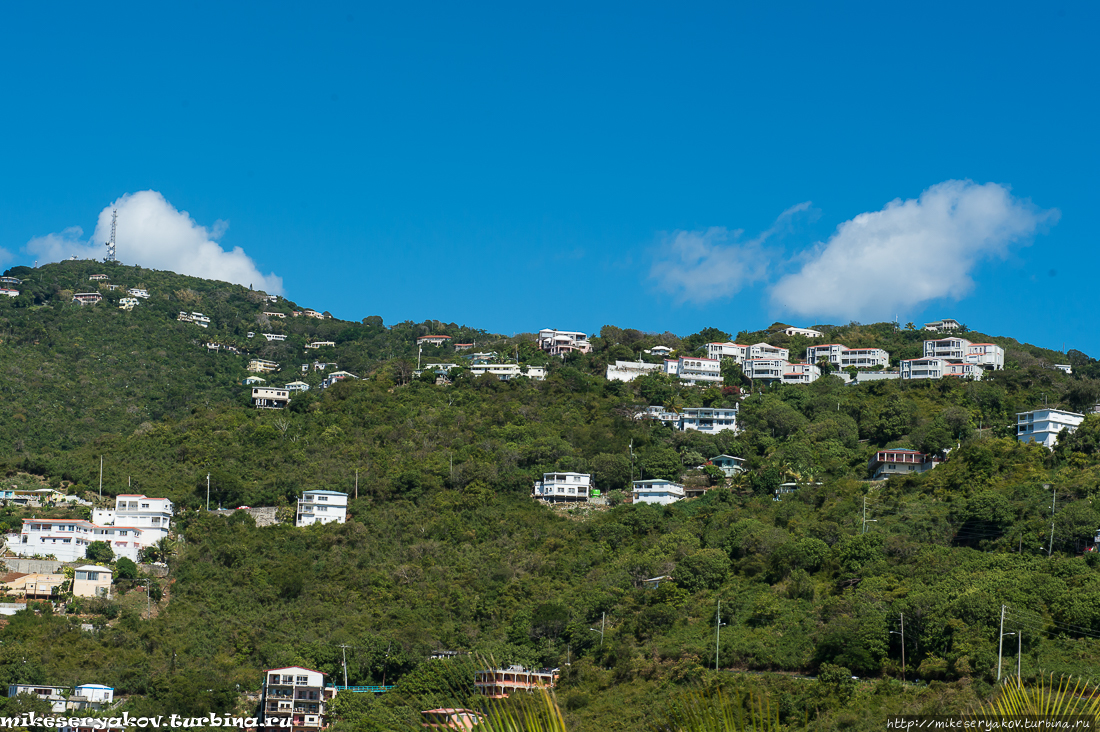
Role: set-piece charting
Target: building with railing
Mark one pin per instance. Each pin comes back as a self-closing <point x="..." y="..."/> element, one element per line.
<point x="322" y="507"/>
<point x="264" y="397"/>
<point x="661" y="492"/>
<point x="732" y="350"/>
<point x="1043" y="426"/>
<point x="630" y="370"/>
<point x="898" y="461"/>
<point x="499" y="683"/>
<point x="563" y="486"/>
<point x="87" y="298"/>
<point x="561" y="342"/>
<point x="942" y="326"/>
<point x="807" y="332"/>
<point x="695" y="370"/>
<point x="297" y="697"/>
<point x="261" y="366"/>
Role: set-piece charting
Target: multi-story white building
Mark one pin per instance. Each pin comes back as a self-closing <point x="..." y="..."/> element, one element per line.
<point x="899" y="461"/>
<point x="710" y="420"/>
<point x="661" y="492"/>
<point x="937" y="368"/>
<point x="138" y="292"/>
<point x="507" y="371"/>
<point x="808" y="332"/>
<point x="828" y="351"/>
<point x="269" y="398"/>
<point x="1068" y="368"/>
<point x="735" y="351"/>
<point x="9" y="292"/>
<point x="335" y="377"/>
<point x="695" y="370"/>
<point x="10" y="281"/>
<point x="1044" y="425"/>
<point x="127" y="303"/>
<point x="941" y="326"/>
<point x="864" y="358"/>
<point x="99" y="278"/>
<point x="55" y="696"/>
<point x="561" y="342"/>
<point x="151" y="516"/>
<point x="87" y="298"/>
<point x="274" y="336"/>
<point x="322" y="507"/>
<point x="296" y="694"/>
<point x="767" y="350"/>
<point x="297" y="386"/>
<point x="433" y="340"/>
<point x="136" y="522"/>
<point x="765" y="369"/>
<point x="556" y="487"/>
<point x="630" y="370"/>
<point x="197" y="318"/>
<point x="499" y="683"/>
<point x="951" y="348"/>
<point x="986" y="355"/>
<point x="801" y="373"/>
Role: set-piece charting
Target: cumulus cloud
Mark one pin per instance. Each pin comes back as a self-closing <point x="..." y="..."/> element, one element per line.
<point x="152" y="233"/>
<point x="910" y="252"/>
<point x="700" y="266"/>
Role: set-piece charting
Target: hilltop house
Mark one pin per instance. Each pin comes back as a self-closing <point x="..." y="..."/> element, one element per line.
<point x="297" y="386"/>
<point x="661" y="492"/>
<point x="463" y="346"/>
<point x="268" y="398"/>
<point x="321" y="344"/>
<point x="942" y="326"/>
<point x="840" y="355"/>
<point x="710" y="420"/>
<point x="321" y="507"/>
<point x="735" y="351"/>
<point x="250" y="380"/>
<point x="91" y="580"/>
<point x="1044" y="425"/>
<point x="432" y="340"/>
<point x="556" y="487"/>
<point x="297" y="697"/>
<point x="99" y="278"/>
<point x="138" y="292"/>
<point x="272" y="314"/>
<point x="336" y="376"/>
<point x="506" y="371"/>
<point x="274" y="337"/>
<point x="10" y="281"/>
<point x="136" y="522"/>
<point x="808" y="332"/>
<point x="498" y="683"/>
<point x="55" y="696"/>
<point x="87" y="298"/>
<point x="561" y="342"/>
<point x="197" y="318"/>
<point x="937" y="368"/>
<point x="127" y="303"/>
<point x="658" y="351"/>
<point x="9" y="292"/>
<point x="801" y="373"/>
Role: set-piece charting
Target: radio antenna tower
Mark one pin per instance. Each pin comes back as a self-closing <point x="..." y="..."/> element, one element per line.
<point x="111" y="244"/>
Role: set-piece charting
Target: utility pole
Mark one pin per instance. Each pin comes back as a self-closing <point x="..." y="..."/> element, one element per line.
<point x="356" y="492"/>
<point x="865" y="519"/>
<point x="603" y="621"/>
<point x="101" y="476"/>
<point x="1000" y="643"/>
<point x="344" y="653"/>
<point x="902" y="634"/>
<point x="717" y="633"/>
<point x="1053" y="503"/>
<point x="208" y="491"/>
<point x="1019" y="650"/>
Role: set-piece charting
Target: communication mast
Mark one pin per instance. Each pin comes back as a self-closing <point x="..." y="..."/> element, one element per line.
<point x="111" y="244"/>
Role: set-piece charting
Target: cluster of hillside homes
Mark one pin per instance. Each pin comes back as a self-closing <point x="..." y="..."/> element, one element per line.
<point x="768" y="364"/>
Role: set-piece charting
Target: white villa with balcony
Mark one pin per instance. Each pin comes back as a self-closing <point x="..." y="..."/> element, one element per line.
<point x="728" y="464"/>
<point x="765" y="369"/>
<point x="270" y="398"/>
<point x="841" y="356"/>
<point x="937" y="368"/>
<point x="508" y="371"/>
<point x="661" y="492"/>
<point x="297" y="697"/>
<point x="433" y="340"/>
<point x="261" y="366"/>
<point x="274" y="336"/>
<point x="561" y="342"/>
<point x="695" y="370"/>
<point x="87" y="298"/>
<point x="942" y="326"/>
<point x="560" y="486"/>
<point x="321" y="507"/>
<point x="766" y="350"/>
<point x="732" y="350"/>
<point x="801" y="373"/>
<point x="1044" y="425"/>
<point x="710" y="420"/>
<point x="139" y="292"/>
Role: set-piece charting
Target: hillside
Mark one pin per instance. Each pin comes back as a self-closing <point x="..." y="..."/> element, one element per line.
<point x="445" y="550"/>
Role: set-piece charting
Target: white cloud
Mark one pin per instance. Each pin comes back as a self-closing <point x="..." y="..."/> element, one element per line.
<point x="700" y="266"/>
<point x="152" y="233"/>
<point x="910" y="252"/>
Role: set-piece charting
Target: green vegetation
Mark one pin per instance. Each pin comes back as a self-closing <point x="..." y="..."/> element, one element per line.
<point x="444" y="549"/>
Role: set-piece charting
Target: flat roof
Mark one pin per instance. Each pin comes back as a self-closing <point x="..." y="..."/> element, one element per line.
<point x="325" y="493"/>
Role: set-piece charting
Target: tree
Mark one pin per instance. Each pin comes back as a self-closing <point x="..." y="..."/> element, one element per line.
<point x="100" y="551"/>
<point x="126" y="568"/>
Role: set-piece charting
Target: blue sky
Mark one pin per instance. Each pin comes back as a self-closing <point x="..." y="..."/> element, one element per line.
<point x="518" y="166"/>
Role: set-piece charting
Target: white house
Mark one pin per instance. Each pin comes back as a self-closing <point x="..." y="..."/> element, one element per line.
<point x="630" y="370"/>
<point x="556" y="487"/>
<point x="561" y="342"/>
<point x="937" y="368"/>
<point x="270" y="314"/>
<point x="766" y="350"/>
<point x="710" y="420"/>
<point x="127" y="303"/>
<point x="765" y="369"/>
<point x="1044" y="425"/>
<point x="297" y="697"/>
<point x="151" y="515"/>
<point x="274" y="336"/>
<point x="9" y="292"/>
<point x="801" y="373"/>
<point x="952" y="348"/>
<point x="898" y="461"/>
<point x="321" y="344"/>
<point x="297" y="386"/>
<point x="986" y="355"/>
<point x="828" y="351"/>
<point x="942" y="326"/>
<point x="507" y="371"/>
<point x="808" y="332"/>
<point x="99" y="278"/>
<point x="695" y="370"/>
<point x="138" y="292"/>
<point x="864" y="358"/>
<point x="1068" y="368"/>
<point x="322" y="507"/>
<point x="197" y="318"/>
<point x="432" y="340"/>
<point x="658" y="351"/>
<point x="728" y="464"/>
<point x="87" y="298"/>
<point x="93" y="696"/>
<point x="250" y="380"/>
<point x="268" y="398"/>
<point x="336" y="376"/>
<point x="735" y="351"/>
<point x="10" y="281"/>
<point x="54" y="695"/>
<point x="661" y="492"/>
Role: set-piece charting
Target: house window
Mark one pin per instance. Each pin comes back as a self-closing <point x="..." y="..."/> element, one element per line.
<point x="302" y="680"/>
